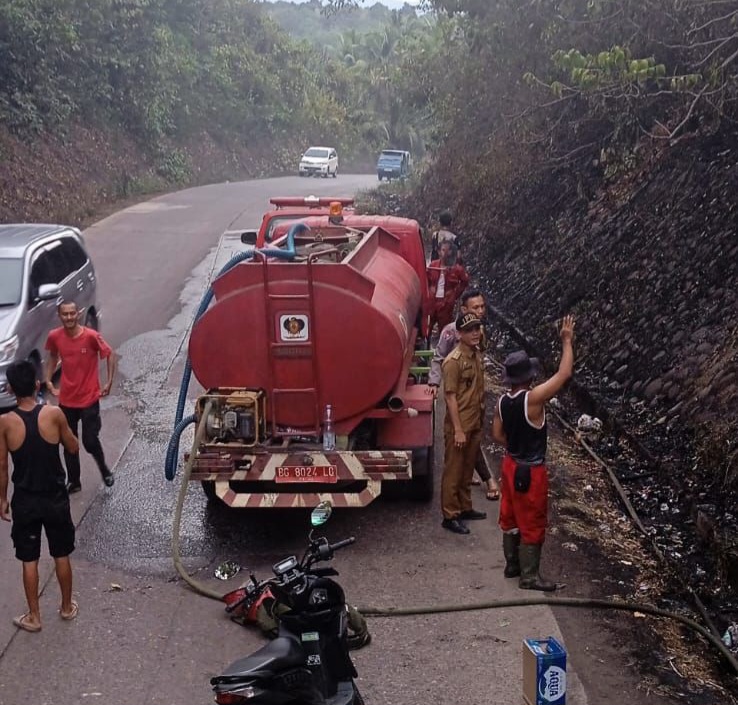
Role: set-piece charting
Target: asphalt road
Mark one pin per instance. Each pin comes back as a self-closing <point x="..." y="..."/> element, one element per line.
<point x="142" y="638"/>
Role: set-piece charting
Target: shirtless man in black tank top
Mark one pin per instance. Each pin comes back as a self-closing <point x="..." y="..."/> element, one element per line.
<point x="519" y="425"/>
<point x="32" y="434"/>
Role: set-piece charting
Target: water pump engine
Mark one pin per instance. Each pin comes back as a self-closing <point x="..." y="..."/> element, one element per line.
<point x="237" y="416"/>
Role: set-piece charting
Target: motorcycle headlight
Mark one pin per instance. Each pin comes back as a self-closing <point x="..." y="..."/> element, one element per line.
<point x="8" y="349"/>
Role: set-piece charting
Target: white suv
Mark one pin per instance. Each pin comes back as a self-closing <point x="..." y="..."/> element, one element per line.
<point x="321" y="161"/>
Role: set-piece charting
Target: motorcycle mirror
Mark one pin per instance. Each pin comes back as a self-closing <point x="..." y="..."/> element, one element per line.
<point x="321" y="513"/>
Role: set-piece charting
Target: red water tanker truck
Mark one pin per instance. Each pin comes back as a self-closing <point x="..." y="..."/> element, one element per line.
<point x="312" y="353"/>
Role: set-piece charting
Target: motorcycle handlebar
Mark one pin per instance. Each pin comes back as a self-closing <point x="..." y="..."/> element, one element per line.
<point x="341" y="544"/>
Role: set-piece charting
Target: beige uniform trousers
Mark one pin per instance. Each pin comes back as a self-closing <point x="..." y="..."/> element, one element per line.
<point x="458" y="470"/>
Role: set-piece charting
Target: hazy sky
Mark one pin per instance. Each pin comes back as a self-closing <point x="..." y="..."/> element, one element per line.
<point x="394" y="4"/>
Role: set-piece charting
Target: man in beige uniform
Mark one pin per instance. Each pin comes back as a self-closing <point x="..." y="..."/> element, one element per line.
<point x="463" y="387"/>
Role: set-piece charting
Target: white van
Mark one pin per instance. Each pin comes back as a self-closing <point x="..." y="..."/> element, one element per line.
<point x="319" y="161"/>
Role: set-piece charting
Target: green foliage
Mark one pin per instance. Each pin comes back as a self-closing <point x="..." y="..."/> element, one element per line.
<point x="164" y="71"/>
<point x="174" y="166"/>
<point x="324" y="30"/>
<point x="539" y="104"/>
<point x="606" y="69"/>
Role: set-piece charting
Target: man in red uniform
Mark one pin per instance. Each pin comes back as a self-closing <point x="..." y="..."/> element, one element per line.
<point x="32" y="433"/>
<point x="447" y="279"/>
<point x="79" y="391"/>
<point x="520" y="426"/>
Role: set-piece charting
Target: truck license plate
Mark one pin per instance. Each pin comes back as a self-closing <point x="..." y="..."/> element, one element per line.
<point x="306" y="473"/>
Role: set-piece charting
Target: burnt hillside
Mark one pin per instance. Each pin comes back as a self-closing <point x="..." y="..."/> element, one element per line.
<point x="590" y="156"/>
<point x="650" y="269"/>
<point x="649" y="264"/>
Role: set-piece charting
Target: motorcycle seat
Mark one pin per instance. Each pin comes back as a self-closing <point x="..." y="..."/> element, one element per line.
<point x="278" y="655"/>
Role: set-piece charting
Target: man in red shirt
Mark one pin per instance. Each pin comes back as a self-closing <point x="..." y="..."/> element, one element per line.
<point x="447" y="279"/>
<point x="78" y="348"/>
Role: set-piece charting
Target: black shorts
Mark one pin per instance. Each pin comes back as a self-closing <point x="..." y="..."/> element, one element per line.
<point x="32" y="512"/>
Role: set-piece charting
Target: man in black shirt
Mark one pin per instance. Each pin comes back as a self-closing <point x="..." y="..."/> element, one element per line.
<point x="31" y="434"/>
<point x="520" y="426"/>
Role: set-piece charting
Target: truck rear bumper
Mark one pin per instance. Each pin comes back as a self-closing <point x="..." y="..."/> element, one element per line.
<point x="300" y="479"/>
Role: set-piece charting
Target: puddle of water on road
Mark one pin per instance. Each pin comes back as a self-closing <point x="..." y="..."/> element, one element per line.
<point x="132" y="524"/>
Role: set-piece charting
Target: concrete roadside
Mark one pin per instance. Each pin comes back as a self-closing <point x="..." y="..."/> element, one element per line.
<point x="149" y="640"/>
<point x="143" y="638"/>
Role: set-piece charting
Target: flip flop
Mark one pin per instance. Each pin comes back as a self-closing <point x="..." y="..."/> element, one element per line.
<point x="70" y="615"/>
<point x="22" y="623"/>
<point x="493" y="495"/>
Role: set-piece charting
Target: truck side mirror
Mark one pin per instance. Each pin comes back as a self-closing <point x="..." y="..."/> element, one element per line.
<point x="249" y="237"/>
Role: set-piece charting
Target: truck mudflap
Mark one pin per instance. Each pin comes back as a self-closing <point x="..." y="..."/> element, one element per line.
<point x="299" y="478"/>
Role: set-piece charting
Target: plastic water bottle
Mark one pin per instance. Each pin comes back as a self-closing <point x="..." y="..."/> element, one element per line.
<point x="329" y="435"/>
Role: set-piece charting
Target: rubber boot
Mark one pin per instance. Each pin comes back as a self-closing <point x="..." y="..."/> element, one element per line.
<point x="510" y="546"/>
<point x="530" y="561"/>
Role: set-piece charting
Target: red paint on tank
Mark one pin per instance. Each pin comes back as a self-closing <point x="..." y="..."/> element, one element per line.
<point x="322" y="333"/>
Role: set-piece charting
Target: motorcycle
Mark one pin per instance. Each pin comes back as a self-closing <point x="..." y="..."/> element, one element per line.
<point x="308" y="662"/>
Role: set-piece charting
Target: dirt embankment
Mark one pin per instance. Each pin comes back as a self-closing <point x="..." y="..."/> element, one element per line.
<point x="74" y="177"/>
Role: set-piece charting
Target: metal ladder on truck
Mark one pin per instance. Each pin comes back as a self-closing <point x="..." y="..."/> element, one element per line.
<point x="302" y="298"/>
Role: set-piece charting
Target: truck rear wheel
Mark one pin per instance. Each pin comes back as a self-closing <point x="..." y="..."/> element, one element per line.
<point x="421" y="486"/>
<point x="208" y="487"/>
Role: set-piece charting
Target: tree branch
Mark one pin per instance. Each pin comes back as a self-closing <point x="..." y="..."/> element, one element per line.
<point x="714" y="20"/>
<point x="676" y="130"/>
<point x="715" y="50"/>
<point x="729" y="60"/>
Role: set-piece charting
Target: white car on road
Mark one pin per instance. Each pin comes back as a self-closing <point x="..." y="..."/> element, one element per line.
<point x="319" y="161"/>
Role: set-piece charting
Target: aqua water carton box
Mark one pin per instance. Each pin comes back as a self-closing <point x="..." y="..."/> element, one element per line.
<point x="544" y="672"/>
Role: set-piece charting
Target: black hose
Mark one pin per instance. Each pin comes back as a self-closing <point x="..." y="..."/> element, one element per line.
<point x="170" y="462"/>
<point x="559" y="602"/>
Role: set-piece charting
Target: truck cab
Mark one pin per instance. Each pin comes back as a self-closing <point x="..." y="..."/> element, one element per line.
<point x="393" y="164"/>
<point x="287" y="209"/>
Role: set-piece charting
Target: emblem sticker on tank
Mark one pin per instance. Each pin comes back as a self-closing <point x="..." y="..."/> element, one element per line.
<point x="294" y="327"/>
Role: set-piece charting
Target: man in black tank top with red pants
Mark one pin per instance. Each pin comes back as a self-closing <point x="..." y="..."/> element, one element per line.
<point x="31" y="434"/>
<point x="520" y="426"/>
